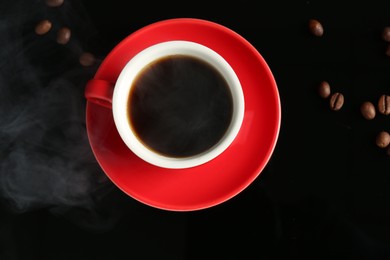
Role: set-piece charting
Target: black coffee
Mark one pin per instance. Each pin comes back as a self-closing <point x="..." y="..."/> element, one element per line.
<point x="180" y="106"/>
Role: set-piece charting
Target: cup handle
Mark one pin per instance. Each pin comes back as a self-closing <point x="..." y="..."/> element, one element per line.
<point x="99" y="92"/>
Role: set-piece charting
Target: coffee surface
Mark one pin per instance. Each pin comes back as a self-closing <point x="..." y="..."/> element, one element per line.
<point x="180" y="106"/>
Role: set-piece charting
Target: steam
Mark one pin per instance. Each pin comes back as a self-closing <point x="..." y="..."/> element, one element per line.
<point x="45" y="157"/>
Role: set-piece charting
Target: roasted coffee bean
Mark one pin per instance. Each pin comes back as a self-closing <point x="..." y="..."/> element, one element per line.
<point x="384" y="104"/>
<point x="386" y="34"/>
<point x="87" y="59"/>
<point x="63" y="35"/>
<point x="368" y="110"/>
<point x="54" y="3"/>
<point x="43" y="27"/>
<point x="316" y="28"/>
<point x="382" y="139"/>
<point x="324" y="89"/>
<point x="336" y="101"/>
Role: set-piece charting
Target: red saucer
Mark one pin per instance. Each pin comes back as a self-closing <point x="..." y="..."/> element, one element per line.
<point x="220" y="179"/>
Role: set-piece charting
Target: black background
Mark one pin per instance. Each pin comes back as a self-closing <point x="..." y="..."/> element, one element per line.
<point x="325" y="193"/>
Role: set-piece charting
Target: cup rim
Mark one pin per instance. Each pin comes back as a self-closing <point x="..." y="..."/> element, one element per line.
<point x="146" y="56"/>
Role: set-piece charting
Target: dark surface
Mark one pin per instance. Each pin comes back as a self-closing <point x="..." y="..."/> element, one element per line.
<point x="325" y="192"/>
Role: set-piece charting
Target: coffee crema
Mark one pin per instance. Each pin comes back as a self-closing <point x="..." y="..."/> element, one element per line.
<point x="180" y="106"/>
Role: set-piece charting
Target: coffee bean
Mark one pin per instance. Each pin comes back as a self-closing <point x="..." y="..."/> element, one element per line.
<point x="87" y="59"/>
<point x="388" y="150"/>
<point x="324" y="89"/>
<point x="316" y="28"/>
<point x="43" y="27"/>
<point x="368" y="110"/>
<point x="63" y="35"/>
<point x="386" y="34"/>
<point x="382" y="139"/>
<point x="384" y="104"/>
<point x="54" y="3"/>
<point x="336" y="101"/>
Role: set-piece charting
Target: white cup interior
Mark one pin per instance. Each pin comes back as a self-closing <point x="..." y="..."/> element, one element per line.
<point x="147" y="56"/>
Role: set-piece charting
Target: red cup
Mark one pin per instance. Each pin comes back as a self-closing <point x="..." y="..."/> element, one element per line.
<point x="210" y="183"/>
